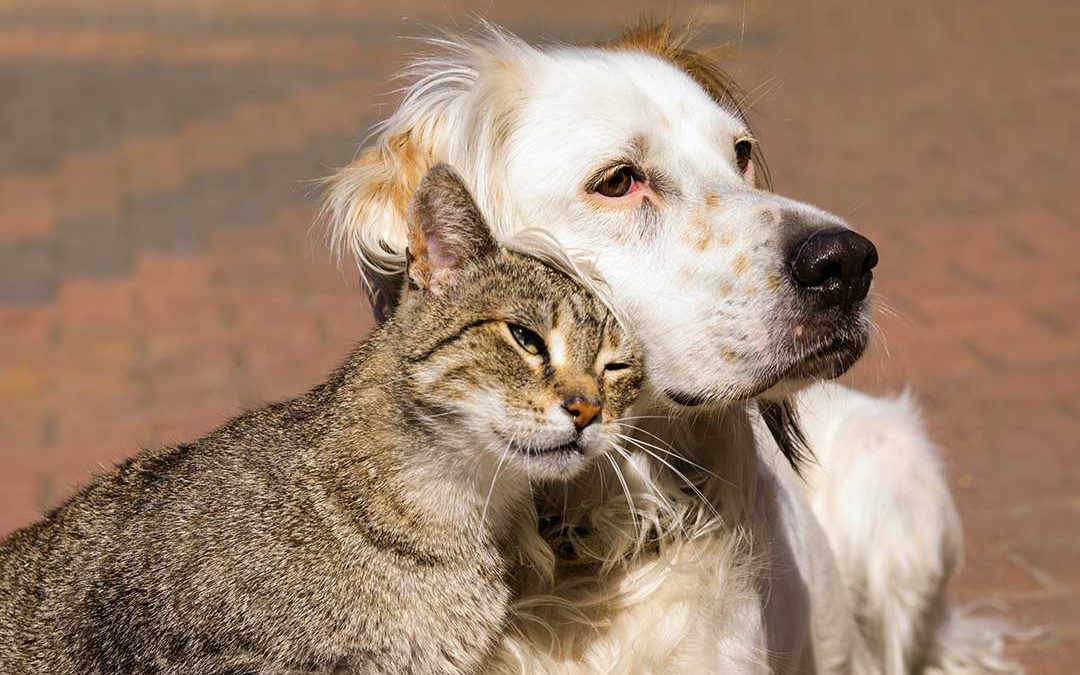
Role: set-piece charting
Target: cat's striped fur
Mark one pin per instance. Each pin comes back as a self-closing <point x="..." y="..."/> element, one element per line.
<point x="364" y="527"/>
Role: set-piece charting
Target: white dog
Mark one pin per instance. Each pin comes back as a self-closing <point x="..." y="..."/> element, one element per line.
<point x="703" y="550"/>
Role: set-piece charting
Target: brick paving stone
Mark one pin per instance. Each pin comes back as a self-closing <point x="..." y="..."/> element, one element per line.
<point x="142" y="164"/>
<point x="323" y="53"/>
<point x="47" y="103"/>
<point x="26" y="206"/>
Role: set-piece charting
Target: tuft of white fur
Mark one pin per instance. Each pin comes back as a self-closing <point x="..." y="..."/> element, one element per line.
<point x="578" y="264"/>
<point x="970" y="644"/>
<point x="444" y="98"/>
<point x="874" y="452"/>
<point x="693" y="602"/>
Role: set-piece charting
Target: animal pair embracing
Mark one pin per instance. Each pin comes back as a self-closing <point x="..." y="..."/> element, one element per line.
<point x="697" y="547"/>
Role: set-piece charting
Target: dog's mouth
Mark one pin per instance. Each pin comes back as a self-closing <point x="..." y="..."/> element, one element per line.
<point x="710" y="399"/>
<point x="827" y="359"/>
<point x="688" y="400"/>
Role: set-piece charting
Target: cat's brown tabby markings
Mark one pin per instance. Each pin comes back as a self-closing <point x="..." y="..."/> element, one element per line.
<point x="367" y="526"/>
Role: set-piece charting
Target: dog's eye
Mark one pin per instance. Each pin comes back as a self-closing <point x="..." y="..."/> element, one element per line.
<point x="618" y="182"/>
<point x="527" y="339"/>
<point x="743" y="150"/>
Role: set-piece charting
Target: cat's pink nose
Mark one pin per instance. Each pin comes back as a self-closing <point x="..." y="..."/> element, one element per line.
<point x="584" y="411"/>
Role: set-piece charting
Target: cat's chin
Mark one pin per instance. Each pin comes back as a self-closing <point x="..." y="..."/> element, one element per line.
<point x="554" y="463"/>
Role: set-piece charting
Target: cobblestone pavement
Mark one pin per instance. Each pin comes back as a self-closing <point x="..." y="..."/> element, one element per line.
<point x="158" y="271"/>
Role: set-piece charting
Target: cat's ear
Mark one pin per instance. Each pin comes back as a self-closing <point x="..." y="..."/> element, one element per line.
<point x="446" y="230"/>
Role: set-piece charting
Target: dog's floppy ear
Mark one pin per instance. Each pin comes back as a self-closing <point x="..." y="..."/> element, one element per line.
<point x="446" y="231"/>
<point x="783" y="424"/>
<point x="367" y="206"/>
<point x="660" y="37"/>
<point x="448" y="113"/>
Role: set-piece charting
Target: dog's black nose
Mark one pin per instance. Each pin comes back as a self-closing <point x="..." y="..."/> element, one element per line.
<point x="835" y="264"/>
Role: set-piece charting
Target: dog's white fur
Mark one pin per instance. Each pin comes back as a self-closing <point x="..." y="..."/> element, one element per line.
<point x="754" y="569"/>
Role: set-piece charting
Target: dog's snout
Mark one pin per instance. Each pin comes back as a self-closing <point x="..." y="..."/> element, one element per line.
<point x="835" y="264"/>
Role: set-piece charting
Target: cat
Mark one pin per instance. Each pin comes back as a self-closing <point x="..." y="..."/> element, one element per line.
<point x="367" y="526"/>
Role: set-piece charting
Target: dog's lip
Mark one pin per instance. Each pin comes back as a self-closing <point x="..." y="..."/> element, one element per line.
<point x="823" y="349"/>
<point x="811" y="364"/>
<point x="697" y="400"/>
<point x="837" y="352"/>
<point x="688" y="400"/>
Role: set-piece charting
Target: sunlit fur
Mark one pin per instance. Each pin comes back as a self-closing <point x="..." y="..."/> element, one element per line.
<point x="367" y="526"/>
<point x="701" y="553"/>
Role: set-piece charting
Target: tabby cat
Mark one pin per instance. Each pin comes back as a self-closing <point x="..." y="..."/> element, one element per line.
<point x="367" y="526"/>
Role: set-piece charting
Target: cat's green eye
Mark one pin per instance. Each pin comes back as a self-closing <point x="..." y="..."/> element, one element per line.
<point x="529" y="341"/>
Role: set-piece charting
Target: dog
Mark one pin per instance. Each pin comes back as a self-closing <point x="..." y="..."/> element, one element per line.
<point x="728" y="552"/>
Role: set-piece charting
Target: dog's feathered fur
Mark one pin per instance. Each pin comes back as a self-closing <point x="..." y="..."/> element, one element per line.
<point x="749" y="569"/>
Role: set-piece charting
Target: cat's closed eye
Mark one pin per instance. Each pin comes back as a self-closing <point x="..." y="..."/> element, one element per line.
<point x="527" y="339"/>
<point x="616" y="366"/>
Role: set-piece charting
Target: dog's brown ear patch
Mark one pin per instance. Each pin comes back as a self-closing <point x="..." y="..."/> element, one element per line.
<point x="390" y="172"/>
<point x="661" y="38"/>
<point x="367" y="206"/>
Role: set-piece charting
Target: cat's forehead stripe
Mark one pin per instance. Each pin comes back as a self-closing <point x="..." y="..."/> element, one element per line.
<point x="557" y="346"/>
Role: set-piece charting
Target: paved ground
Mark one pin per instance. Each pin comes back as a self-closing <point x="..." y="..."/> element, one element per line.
<point x="157" y="271"/>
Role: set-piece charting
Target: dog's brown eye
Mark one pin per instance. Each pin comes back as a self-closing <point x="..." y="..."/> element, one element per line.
<point x="743" y="150"/>
<point x="618" y="182"/>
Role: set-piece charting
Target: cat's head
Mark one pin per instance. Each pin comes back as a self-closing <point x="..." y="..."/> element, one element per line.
<point x="514" y="357"/>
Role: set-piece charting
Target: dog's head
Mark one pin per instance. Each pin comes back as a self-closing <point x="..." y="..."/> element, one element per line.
<point x="638" y="153"/>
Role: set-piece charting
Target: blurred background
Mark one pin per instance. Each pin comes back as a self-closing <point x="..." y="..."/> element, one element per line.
<point x="158" y="269"/>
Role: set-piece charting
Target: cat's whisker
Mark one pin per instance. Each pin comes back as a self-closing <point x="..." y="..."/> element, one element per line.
<point x="645" y="417"/>
<point x="442" y="414"/>
<point x="659" y="439"/>
<point x="600" y="474"/>
<point x="650" y="485"/>
<point x="565" y="499"/>
<point x="487" y="501"/>
<point x="667" y="447"/>
<point x="680" y="474"/>
<point x="677" y="517"/>
<point x="647" y="480"/>
<point x="674" y="453"/>
<point x="626" y="491"/>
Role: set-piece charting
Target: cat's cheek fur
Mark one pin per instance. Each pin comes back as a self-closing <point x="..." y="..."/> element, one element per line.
<point x="542" y="426"/>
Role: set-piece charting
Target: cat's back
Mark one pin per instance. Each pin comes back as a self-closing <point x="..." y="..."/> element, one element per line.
<point x="21" y="555"/>
<point x="101" y="572"/>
